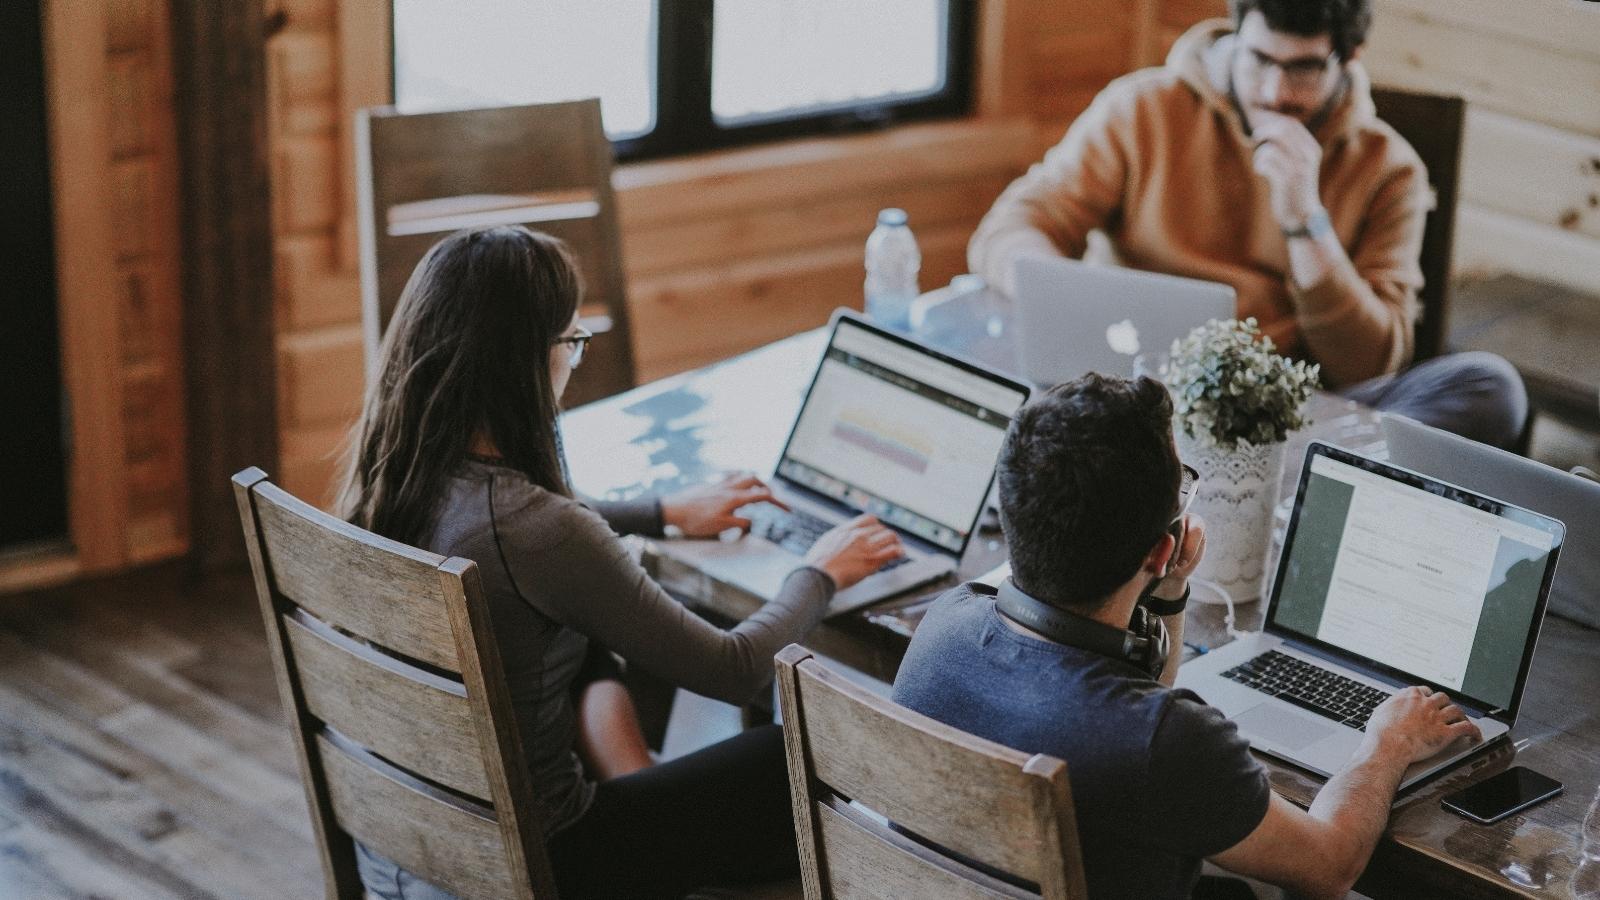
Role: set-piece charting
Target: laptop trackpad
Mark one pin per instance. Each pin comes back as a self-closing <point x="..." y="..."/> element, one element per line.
<point x="1282" y="727"/>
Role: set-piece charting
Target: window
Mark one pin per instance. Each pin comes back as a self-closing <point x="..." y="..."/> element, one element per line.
<point x="676" y="76"/>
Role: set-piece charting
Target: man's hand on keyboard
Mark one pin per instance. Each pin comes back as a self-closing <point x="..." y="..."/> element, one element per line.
<point x="854" y="550"/>
<point x="1418" y="722"/>
<point x="708" y="510"/>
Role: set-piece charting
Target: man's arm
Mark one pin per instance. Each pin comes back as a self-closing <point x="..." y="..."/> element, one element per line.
<point x="1322" y="851"/>
<point x="1050" y="210"/>
<point x="1355" y="309"/>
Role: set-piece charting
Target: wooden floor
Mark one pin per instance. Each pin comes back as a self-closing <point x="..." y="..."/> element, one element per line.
<point x="141" y="750"/>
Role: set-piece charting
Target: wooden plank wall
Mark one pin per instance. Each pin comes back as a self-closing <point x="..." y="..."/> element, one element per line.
<point x="144" y="165"/>
<point x="1531" y="168"/>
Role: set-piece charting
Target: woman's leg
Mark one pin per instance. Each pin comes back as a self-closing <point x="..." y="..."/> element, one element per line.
<point x="610" y="741"/>
<point x="717" y="816"/>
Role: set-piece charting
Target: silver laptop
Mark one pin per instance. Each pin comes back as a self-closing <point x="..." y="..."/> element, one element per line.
<point x="1479" y="467"/>
<point x="1387" y="579"/>
<point x="888" y="427"/>
<point x="1074" y="317"/>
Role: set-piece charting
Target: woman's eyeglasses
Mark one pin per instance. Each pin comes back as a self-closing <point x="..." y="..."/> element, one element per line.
<point x="579" y="341"/>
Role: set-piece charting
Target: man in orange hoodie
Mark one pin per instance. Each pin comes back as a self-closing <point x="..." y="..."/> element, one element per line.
<point x="1254" y="158"/>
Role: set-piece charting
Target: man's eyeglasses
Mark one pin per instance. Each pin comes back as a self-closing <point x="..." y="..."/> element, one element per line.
<point x="1298" y="73"/>
<point x="579" y="341"/>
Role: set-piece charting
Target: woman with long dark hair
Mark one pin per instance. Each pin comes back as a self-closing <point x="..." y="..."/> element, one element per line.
<point x="457" y="451"/>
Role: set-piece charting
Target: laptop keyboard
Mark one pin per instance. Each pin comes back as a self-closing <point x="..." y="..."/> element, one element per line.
<point x="1308" y="686"/>
<point x="795" y="530"/>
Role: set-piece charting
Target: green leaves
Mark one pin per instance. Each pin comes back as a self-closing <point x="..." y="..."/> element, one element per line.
<point x="1230" y="387"/>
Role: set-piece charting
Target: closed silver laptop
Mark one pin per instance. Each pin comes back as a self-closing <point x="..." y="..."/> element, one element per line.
<point x="1073" y="318"/>
<point x="888" y="427"/>
<point x="1478" y="467"/>
<point x="1388" y="578"/>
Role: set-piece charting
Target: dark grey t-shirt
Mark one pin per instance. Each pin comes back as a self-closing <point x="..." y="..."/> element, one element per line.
<point x="1159" y="779"/>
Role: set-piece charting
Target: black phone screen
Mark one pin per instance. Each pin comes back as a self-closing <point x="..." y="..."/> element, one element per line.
<point x="1494" y="798"/>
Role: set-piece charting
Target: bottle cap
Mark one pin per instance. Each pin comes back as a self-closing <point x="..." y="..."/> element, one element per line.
<point x="892" y="217"/>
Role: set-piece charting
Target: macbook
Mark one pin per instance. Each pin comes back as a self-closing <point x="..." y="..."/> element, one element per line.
<point x="1074" y="317"/>
<point x="1479" y="467"/>
<point x="1387" y="579"/>
<point x="888" y="427"/>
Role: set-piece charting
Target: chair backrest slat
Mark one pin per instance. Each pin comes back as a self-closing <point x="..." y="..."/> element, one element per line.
<point x="448" y="841"/>
<point x="868" y="860"/>
<point x="380" y="589"/>
<point x="987" y="803"/>
<point x="414" y="718"/>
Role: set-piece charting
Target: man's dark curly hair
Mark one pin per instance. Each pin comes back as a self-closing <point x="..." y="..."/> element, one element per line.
<point x="1088" y="483"/>
<point x="1344" y="21"/>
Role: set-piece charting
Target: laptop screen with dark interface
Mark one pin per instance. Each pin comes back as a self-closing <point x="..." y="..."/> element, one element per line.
<point x="901" y="433"/>
<point x="1431" y="582"/>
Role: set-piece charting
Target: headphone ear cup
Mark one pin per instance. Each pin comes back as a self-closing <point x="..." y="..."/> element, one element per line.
<point x="1152" y="639"/>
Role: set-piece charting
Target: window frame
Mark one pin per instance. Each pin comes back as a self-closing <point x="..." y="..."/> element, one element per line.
<point x="684" y="123"/>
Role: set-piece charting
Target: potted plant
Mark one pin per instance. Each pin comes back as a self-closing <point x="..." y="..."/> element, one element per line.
<point x="1235" y="401"/>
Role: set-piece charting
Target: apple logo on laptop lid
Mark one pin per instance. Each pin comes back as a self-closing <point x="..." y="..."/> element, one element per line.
<point x="1123" y="338"/>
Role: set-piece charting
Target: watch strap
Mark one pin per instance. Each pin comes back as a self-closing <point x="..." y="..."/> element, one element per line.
<point x="1315" y="226"/>
<point x="1160" y="607"/>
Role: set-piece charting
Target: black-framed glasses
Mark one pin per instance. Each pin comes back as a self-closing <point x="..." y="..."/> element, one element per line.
<point x="1299" y="73"/>
<point x="580" y="342"/>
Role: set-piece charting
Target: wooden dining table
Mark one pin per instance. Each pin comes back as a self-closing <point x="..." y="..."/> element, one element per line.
<point x="735" y="415"/>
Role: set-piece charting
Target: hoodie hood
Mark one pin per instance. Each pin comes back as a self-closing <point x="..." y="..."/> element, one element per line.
<point x="1200" y="59"/>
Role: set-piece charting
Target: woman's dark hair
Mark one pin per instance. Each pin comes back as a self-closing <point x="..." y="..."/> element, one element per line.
<point x="466" y="353"/>
<point x="1345" y="22"/>
<point x="1088" y="484"/>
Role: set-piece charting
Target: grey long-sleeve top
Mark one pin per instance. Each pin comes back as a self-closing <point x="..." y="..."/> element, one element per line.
<point x="556" y="576"/>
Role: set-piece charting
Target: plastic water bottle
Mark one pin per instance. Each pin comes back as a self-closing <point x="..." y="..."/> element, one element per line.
<point x="892" y="264"/>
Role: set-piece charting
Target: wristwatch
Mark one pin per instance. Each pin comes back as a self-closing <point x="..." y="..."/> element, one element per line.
<point x="1160" y="607"/>
<point x="1315" y="226"/>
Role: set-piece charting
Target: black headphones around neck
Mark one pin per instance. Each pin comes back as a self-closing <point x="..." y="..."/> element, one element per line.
<point x="1144" y="643"/>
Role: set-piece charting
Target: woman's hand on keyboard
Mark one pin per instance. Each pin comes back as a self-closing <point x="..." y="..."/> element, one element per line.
<point x="854" y="550"/>
<point x="708" y="510"/>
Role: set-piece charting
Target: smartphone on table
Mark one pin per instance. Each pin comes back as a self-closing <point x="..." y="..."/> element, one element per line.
<point x="1498" y="796"/>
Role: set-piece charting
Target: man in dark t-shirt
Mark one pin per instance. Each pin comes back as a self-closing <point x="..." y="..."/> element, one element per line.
<point x="1075" y="654"/>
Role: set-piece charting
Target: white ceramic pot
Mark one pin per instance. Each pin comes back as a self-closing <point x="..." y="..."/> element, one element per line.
<point x="1235" y="496"/>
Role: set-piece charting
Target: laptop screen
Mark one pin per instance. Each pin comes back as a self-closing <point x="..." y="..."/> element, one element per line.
<point x="1433" y="583"/>
<point x="901" y="432"/>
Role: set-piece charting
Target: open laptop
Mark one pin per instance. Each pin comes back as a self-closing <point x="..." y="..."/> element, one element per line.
<point x="1074" y="317"/>
<point x="1387" y="579"/>
<point x="888" y="427"/>
<point x="1479" y="467"/>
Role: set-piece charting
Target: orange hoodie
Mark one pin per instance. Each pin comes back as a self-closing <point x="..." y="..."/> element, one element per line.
<point x="1161" y="163"/>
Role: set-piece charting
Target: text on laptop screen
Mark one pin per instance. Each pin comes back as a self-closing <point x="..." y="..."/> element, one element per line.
<point x="900" y="434"/>
<point x="1419" y="582"/>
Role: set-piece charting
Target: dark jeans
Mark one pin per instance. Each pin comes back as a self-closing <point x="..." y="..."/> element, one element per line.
<point x="1476" y="395"/>
<point x="719" y="816"/>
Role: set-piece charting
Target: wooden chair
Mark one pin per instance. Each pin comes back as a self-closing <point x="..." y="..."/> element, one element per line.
<point x="1433" y="124"/>
<point x="964" y="798"/>
<point x="547" y="166"/>
<point x="391" y="681"/>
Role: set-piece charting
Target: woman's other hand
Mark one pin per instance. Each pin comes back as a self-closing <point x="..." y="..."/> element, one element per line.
<point x="707" y="510"/>
<point x="854" y="550"/>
